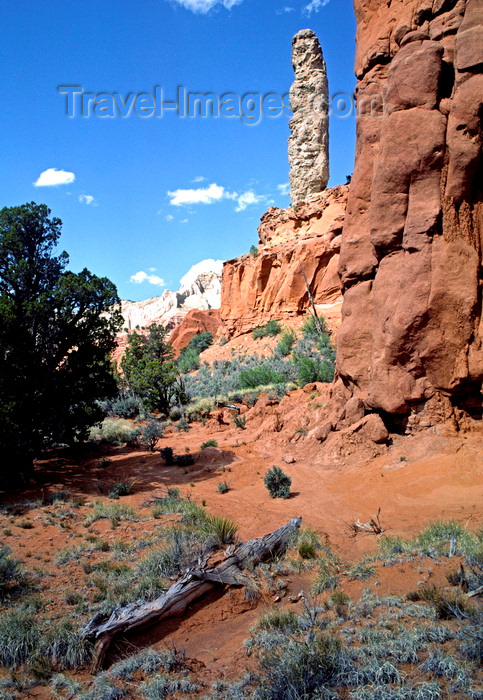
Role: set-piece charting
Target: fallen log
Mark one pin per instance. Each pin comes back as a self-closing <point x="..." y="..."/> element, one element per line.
<point x="197" y="581"/>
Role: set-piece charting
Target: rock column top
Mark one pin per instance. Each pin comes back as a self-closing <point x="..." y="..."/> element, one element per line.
<point x="309" y="139"/>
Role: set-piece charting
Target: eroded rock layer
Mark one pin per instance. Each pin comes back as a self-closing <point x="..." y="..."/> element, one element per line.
<point x="308" y="145"/>
<point x="270" y="284"/>
<point x="411" y="251"/>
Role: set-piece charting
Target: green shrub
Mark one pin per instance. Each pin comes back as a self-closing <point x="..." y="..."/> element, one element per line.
<point x="115" y="512"/>
<point x="152" y="432"/>
<point x="258" y="376"/>
<point x="254" y="251"/>
<point x="121" y="488"/>
<point x="200" y="409"/>
<point x="175" y="413"/>
<point x="222" y="487"/>
<point x="208" y="443"/>
<point x="272" y="328"/>
<point x="311" y="369"/>
<point x="112" y="431"/>
<point x="19" y="637"/>
<point x="307" y="550"/>
<point x="189" y="360"/>
<point x="314" y="327"/>
<point x="286" y="343"/>
<point x="240" y="421"/>
<point x="222" y="529"/>
<point x="201" y="341"/>
<point x="125" y="405"/>
<point x="9" y="569"/>
<point x="277" y="482"/>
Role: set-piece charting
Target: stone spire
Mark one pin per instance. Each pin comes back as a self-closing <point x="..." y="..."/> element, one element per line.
<point x="308" y="144"/>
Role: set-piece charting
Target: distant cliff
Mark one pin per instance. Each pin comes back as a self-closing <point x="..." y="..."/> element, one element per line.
<point x="200" y="289"/>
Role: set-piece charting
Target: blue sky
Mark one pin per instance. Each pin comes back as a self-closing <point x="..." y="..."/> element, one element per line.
<point x="151" y="194"/>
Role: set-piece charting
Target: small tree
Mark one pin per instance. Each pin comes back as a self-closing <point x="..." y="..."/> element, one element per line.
<point x="149" y="370"/>
<point x="277" y="482"/>
<point x="57" y="331"/>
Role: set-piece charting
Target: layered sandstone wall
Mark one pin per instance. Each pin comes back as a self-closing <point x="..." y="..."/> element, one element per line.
<point x="270" y="285"/>
<point x="411" y="250"/>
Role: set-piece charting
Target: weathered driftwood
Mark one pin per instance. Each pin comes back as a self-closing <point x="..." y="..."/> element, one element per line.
<point x="197" y="581"/>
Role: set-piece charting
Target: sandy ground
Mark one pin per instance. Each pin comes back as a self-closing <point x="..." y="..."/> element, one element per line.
<point x="411" y="482"/>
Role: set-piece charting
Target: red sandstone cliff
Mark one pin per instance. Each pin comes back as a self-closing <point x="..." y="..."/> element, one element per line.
<point x="271" y="285"/>
<point x="411" y="250"/>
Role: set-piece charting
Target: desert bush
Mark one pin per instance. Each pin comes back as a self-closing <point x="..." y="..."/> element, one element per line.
<point x="160" y="686"/>
<point x="20" y="637"/>
<point x="152" y="432"/>
<point x="63" y="645"/>
<point x="300" y="666"/>
<point x="222" y="529"/>
<point x="254" y="251"/>
<point x="120" y="488"/>
<point x="277" y="482"/>
<point x="446" y="537"/>
<point x="115" y="512"/>
<point x="112" y="431"/>
<point x="175" y="413"/>
<point x="276" y="619"/>
<point x="10" y="570"/>
<point x="189" y="360"/>
<point x="209" y="443"/>
<point x="285" y="344"/>
<point x="125" y="405"/>
<point x="314" y="327"/>
<point x="327" y="578"/>
<point x="148" y="661"/>
<point x="201" y="341"/>
<point x="254" y="377"/>
<point x="240" y="421"/>
<point x="310" y="369"/>
<point x="272" y="328"/>
<point x="222" y="487"/>
<point x="200" y="409"/>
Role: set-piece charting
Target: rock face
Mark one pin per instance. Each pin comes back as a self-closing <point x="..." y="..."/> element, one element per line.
<point x="270" y="285"/>
<point x="308" y="145"/>
<point x="200" y="289"/>
<point x="195" y="322"/>
<point x="411" y="250"/>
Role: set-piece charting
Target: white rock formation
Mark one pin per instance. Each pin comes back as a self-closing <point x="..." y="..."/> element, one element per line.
<point x="200" y="289"/>
<point x="308" y="144"/>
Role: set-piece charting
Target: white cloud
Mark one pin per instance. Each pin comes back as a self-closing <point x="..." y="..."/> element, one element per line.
<point x="199" y="178"/>
<point x="52" y="177"/>
<point x="203" y="6"/>
<point x="142" y="276"/>
<point x="87" y="199"/>
<point x="169" y="217"/>
<point x="215" y="193"/>
<point x="284" y="189"/>
<point x="314" y="6"/>
<point x="202" y="195"/>
<point x="204" y="266"/>
<point x="246" y="198"/>
<point x="284" y="10"/>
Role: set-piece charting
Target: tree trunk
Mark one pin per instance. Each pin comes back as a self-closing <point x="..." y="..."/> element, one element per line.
<point x="195" y="583"/>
